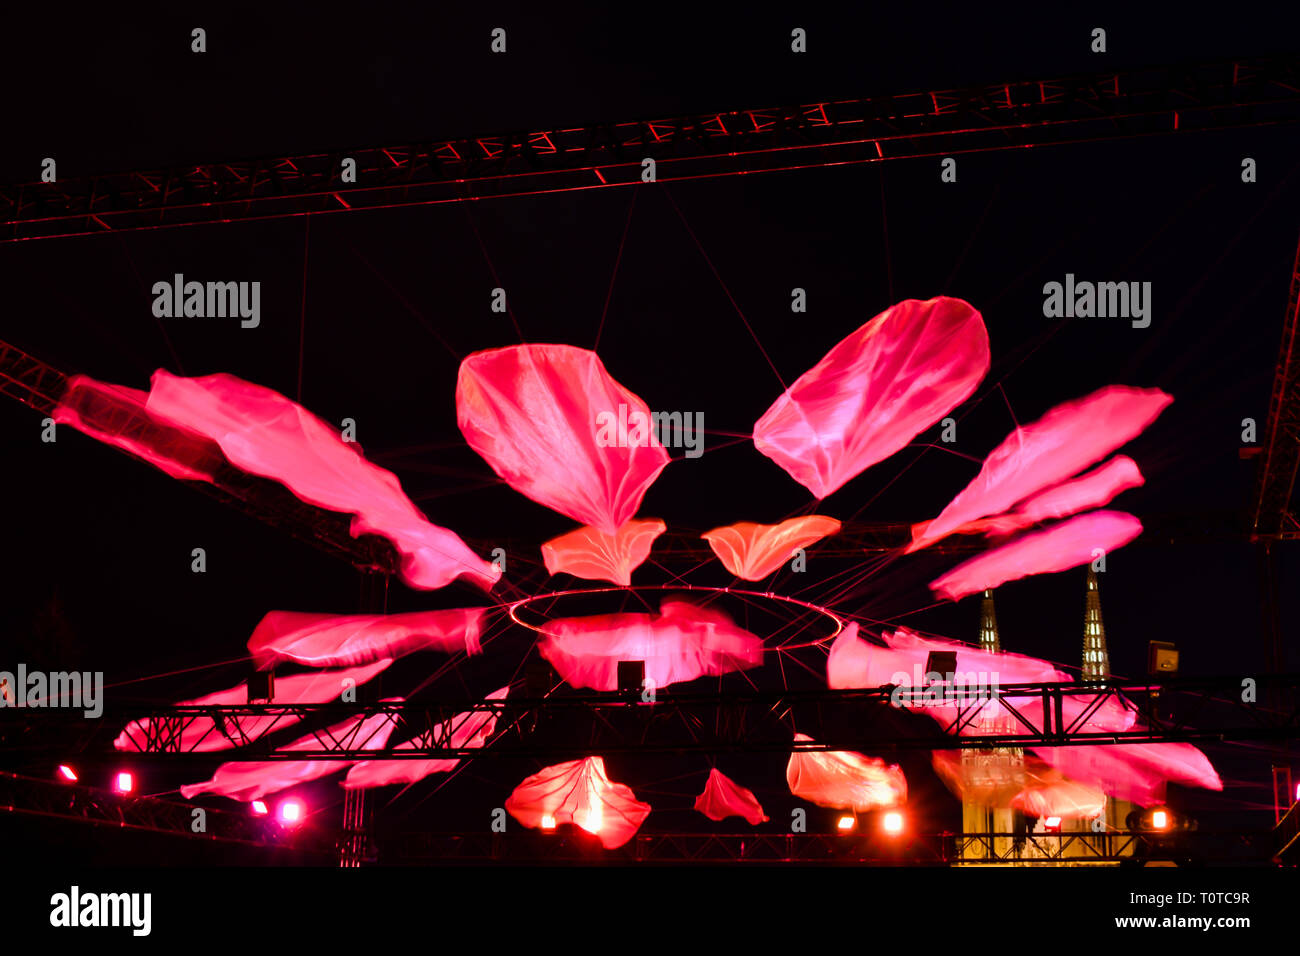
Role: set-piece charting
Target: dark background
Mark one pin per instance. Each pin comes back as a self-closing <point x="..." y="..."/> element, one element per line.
<point x="97" y="569"/>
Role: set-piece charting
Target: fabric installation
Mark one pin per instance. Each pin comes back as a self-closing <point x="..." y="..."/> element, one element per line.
<point x="596" y="556"/>
<point x="1020" y="782"/>
<point x="844" y="780"/>
<point x="722" y="797"/>
<point x="753" y="551"/>
<point x="339" y="640"/>
<point x="579" y="792"/>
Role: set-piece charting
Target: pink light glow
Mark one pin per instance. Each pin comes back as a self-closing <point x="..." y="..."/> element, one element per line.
<point x="596" y="556"/>
<point x="875" y="391"/>
<point x="1039" y="456"/>
<point x="540" y="415"/>
<point x="681" y="643"/>
<point x="291" y="812"/>
<point x="1067" y="544"/>
<point x="124" y="782"/>
<point x="753" y="551"/>
<point x="258" y="808"/>
<point x="67" y="773"/>
<point x="723" y="797"/>
<point x="331" y="640"/>
<point x="579" y="792"/>
<point x="1027" y="784"/>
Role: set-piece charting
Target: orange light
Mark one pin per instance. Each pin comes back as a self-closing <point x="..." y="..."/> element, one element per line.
<point x="548" y="822"/>
<point x="893" y="822"/>
<point x="1052" y="823"/>
<point x="847" y="823"/>
<point x="1159" y="820"/>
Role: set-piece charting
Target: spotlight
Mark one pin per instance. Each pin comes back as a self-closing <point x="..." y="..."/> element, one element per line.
<point x="124" y="783"/>
<point x="258" y="808"/>
<point x="847" y="823"/>
<point x="67" y="773"/>
<point x="1159" y="819"/>
<point x="1297" y="791"/>
<point x="1052" y="824"/>
<point x="291" y="813"/>
<point x="893" y="823"/>
<point x="548" y="822"/>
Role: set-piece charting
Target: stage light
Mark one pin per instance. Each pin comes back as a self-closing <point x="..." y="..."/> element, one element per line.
<point x="847" y="823"/>
<point x="1297" y="791"/>
<point x="258" y="808"/>
<point x="1159" y="819"/>
<point x="893" y="823"/>
<point x="67" y="773"/>
<point x="124" y="783"/>
<point x="548" y="822"/>
<point x="1052" y="823"/>
<point x="291" y="812"/>
<point x="594" y="819"/>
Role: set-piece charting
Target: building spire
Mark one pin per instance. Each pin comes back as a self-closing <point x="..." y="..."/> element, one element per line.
<point x="988" y="624"/>
<point x="1096" y="661"/>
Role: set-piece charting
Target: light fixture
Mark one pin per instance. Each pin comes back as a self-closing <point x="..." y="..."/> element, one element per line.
<point x="258" y="808"/>
<point x="1052" y="823"/>
<point x="291" y="812"/>
<point x="846" y="823"/>
<point x="893" y="823"/>
<point x="124" y="783"/>
<point x="1159" y="819"/>
<point x="67" y="773"/>
<point x="548" y="822"/>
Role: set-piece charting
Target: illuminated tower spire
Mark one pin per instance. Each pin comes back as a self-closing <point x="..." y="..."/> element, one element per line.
<point x="988" y="624"/>
<point x="1096" y="662"/>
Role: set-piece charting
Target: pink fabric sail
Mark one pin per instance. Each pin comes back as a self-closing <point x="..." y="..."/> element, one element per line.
<point x="1066" y="440"/>
<point x="465" y="731"/>
<point x="559" y="429"/>
<point x="249" y="780"/>
<point x="844" y="780"/>
<point x="723" y="797"/>
<point x="596" y="556"/>
<point x="266" y="434"/>
<point x="334" y="640"/>
<point x="1002" y="780"/>
<point x="1134" y="772"/>
<point x="1067" y="544"/>
<point x="579" y="792"/>
<point x="116" y="415"/>
<point x="681" y="643"/>
<point x="753" y="551"/>
<point x="1090" y="490"/>
<point x="875" y="391"/>
<point x="202" y="735"/>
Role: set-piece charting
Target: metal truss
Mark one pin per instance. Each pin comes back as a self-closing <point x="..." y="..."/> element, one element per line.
<point x="1192" y="710"/>
<point x="1280" y="455"/>
<point x="1233" y="94"/>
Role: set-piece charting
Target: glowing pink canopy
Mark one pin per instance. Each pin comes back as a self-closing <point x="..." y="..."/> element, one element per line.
<point x="1064" y="545"/>
<point x="266" y="434"/>
<point x="592" y="554"/>
<point x="558" y="428"/>
<point x="253" y="779"/>
<point x="579" y="792"/>
<point x="680" y="643"/>
<point x="1134" y="772"/>
<point x="465" y="731"/>
<point x="1066" y="440"/>
<point x="875" y="391"/>
<point x="723" y="797"/>
<point x="1018" y="782"/>
<point x="844" y="780"/>
<point x="201" y="734"/>
<point x="331" y="640"/>
<point x="753" y="551"/>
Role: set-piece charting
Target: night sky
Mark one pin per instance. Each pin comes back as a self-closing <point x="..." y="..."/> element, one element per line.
<point x="98" y="574"/>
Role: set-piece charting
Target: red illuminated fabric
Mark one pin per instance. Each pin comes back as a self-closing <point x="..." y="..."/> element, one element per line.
<point x="681" y="643"/>
<point x="465" y="731"/>
<point x="202" y="734"/>
<point x="336" y="640"/>
<point x="1008" y="780"/>
<point x="596" y="556"/>
<point x="579" y="792"/>
<point x="753" y="551"/>
<point x="558" y="428"/>
<point x="266" y="434"/>
<point x="248" y="780"/>
<point x="116" y="415"/>
<point x="845" y="780"/>
<point x="1066" y="440"/>
<point x="723" y="797"/>
<point x="875" y="391"/>
<point x="1067" y="544"/>
<point x="1134" y="772"/>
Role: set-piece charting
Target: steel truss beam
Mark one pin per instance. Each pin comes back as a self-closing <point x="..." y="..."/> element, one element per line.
<point x="1275" y="483"/>
<point x="1202" y="709"/>
<point x="1248" y="92"/>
